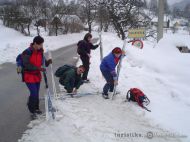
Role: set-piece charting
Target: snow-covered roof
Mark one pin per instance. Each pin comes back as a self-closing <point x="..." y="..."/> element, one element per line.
<point x="155" y="19"/>
<point x="71" y="18"/>
<point x="180" y="21"/>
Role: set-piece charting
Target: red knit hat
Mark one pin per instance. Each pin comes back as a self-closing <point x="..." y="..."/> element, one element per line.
<point x="117" y="50"/>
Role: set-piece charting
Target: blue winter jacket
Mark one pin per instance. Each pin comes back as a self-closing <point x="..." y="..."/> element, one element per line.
<point x="108" y="64"/>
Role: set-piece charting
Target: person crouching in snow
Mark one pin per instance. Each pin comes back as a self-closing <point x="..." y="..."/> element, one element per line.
<point x="33" y="60"/>
<point x="72" y="79"/>
<point x="107" y="68"/>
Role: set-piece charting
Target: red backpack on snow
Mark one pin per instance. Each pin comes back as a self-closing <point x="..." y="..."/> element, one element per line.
<point x="136" y="95"/>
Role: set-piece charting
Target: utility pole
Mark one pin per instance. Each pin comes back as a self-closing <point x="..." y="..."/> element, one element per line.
<point x="160" y="20"/>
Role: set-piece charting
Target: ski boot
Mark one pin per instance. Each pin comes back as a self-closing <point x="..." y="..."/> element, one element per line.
<point x="105" y="96"/>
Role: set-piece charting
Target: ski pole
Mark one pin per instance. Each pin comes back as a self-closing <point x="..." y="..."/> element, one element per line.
<point x="46" y="95"/>
<point x="118" y="69"/>
<point x="147" y="109"/>
<point x="45" y="79"/>
<point x="101" y="49"/>
<point x="120" y="64"/>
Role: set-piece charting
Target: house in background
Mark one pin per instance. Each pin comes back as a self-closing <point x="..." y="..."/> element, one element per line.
<point x="65" y="24"/>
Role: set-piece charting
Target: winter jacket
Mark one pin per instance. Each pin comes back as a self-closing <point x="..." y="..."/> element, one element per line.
<point x="109" y="63"/>
<point x="70" y="79"/>
<point x="32" y="60"/>
<point x="84" y="48"/>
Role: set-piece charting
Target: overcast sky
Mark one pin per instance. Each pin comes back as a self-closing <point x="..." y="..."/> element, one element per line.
<point x="174" y="1"/>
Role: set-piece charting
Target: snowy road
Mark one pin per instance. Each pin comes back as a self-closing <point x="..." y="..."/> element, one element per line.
<point x="14" y="115"/>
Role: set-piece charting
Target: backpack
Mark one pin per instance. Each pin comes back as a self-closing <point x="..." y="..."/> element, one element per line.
<point x="19" y="60"/>
<point x="61" y="70"/>
<point x="78" y="49"/>
<point x="136" y="95"/>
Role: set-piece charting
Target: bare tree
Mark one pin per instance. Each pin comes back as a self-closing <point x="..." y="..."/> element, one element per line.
<point x="14" y="17"/>
<point x="72" y="8"/>
<point x="153" y="6"/>
<point x="56" y="23"/>
<point x="103" y="16"/>
<point x="35" y="12"/>
<point x="187" y="11"/>
<point x="166" y="7"/>
<point x="89" y="11"/>
<point x="24" y="13"/>
<point x="124" y="15"/>
<point x="24" y="7"/>
<point x="58" y="10"/>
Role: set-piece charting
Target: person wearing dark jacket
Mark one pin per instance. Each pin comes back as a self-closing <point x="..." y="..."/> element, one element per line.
<point x="33" y="60"/>
<point x="107" y="68"/>
<point x="84" y="50"/>
<point x="72" y="79"/>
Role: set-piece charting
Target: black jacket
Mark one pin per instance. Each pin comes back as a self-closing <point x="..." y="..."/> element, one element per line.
<point x="84" y="48"/>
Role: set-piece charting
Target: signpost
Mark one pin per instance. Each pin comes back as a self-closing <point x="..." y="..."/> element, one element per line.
<point x="138" y="44"/>
<point x="136" y="33"/>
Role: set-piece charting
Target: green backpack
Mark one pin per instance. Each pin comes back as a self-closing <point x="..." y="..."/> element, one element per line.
<point x="61" y="70"/>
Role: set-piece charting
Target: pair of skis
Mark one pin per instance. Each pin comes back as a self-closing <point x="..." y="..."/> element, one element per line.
<point x="50" y="109"/>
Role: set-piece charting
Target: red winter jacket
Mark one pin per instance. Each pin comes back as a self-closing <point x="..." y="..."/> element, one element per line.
<point x="32" y="61"/>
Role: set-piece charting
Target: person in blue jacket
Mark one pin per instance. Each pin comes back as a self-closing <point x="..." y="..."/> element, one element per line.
<point x="107" y="68"/>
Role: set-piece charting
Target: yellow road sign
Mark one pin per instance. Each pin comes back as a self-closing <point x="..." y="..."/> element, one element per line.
<point x="136" y="33"/>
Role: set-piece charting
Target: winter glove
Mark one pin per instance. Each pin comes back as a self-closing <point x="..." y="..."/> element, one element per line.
<point x="19" y="69"/>
<point x="42" y="69"/>
<point x="48" y="62"/>
<point x="123" y="53"/>
<point x="96" y="46"/>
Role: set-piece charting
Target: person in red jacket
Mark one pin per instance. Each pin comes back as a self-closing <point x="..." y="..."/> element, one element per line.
<point x="33" y="59"/>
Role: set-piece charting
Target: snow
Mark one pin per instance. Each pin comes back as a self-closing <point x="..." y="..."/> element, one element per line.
<point x="13" y="42"/>
<point x="180" y="21"/>
<point x="159" y="70"/>
<point x="162" y="73"/>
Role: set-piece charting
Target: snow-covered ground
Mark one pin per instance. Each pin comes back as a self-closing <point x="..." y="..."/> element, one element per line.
<point x="162" y="73"/>
<point x="13" y="42"/>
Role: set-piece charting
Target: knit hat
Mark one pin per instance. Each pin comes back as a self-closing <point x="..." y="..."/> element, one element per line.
<point x="117" y="50"/>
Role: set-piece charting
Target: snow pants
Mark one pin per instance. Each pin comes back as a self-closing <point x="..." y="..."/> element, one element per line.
<point x="86" y="64"/>
<point x="109" y="86"/>
<point x="33" y="100"/>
